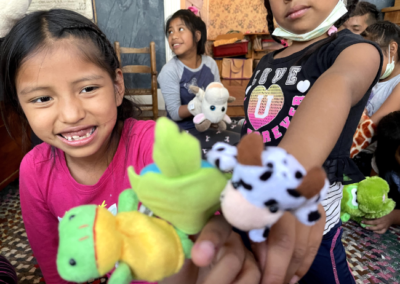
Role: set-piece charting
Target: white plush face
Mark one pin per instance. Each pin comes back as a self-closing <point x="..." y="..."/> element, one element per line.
<point x="215" y="102"/>
<point x="242" y="214"/>
<point x="272" y="185"/>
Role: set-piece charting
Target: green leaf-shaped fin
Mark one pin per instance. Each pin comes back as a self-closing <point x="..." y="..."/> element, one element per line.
<point x="176" y="152"/>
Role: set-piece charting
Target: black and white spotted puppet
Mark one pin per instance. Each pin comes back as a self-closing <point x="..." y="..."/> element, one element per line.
<point x="266" y="182"/>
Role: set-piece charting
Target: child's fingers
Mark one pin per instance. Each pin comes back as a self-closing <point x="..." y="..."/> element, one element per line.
<point x="228" y="262"/>
<point x="314" y="242"/>
<point x="281" y="243"/>
<point x="371" y="221"/>
<point x="250" y="271"/>
<point x="211" y="239"/>
<point x="300" y="250"/>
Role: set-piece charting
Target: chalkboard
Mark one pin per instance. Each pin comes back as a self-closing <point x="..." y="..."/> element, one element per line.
<point x="134" y="23"/>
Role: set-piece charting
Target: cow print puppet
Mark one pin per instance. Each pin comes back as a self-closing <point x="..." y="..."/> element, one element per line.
<point x="265" y="183"/>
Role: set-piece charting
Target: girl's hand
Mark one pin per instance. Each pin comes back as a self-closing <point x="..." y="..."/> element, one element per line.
<point x="221" y="256"/>
<point x="289" y="251"/>
<point x="381" y="225"/>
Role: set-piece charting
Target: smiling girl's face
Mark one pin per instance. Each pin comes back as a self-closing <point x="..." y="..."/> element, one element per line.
<point x="180" y="38"/>
<point x="70" y="102"/>
<point x="301" y="16"/>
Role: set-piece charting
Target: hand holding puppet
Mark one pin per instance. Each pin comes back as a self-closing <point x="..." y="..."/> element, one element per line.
<point x="214" y="103"/>
<point x="367" y="199"/>
<point x="266" y="182"/>
<point x="179" y="188"/>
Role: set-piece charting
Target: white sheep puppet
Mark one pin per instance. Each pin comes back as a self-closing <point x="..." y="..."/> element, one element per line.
<point x="10" y="12"/>
<point x="214" y="103"/>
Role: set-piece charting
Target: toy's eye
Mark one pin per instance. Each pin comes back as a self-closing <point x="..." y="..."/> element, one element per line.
<point x="223" y="108"/>
<point x="212" y="108"/>
<point x="71" y="217"/>
<point x="72" y="262"/>
<point x="272" y="205"/>
<point x="273" y="208"/>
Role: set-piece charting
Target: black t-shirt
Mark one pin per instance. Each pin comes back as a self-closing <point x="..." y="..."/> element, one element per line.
<point x="277" y="88"/>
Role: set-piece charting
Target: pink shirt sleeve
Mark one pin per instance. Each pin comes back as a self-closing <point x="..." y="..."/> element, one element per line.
<point x="40" y="224"/>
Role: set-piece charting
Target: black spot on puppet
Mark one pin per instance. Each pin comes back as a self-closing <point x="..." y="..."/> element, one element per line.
<point x="220" y="149"/>
<point x="245" y="185"/>
<point x="265" y="176"/>
<point x="299" y="175"/>
<point x="294" y="193"/>
<point x="217" y="162"/>
<point x="314" y="216"/>
<point x="266" y="232"/>
<point x="235" y="184"/>
<point x="272" y="205"/>
<point x="270" y="165"/>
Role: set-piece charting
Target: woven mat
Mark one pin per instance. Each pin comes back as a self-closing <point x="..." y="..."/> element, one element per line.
<point x="373" y="258"/>
<point x="14" y="243"/>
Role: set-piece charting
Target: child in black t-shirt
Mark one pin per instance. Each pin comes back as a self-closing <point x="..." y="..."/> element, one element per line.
<point x="387" y="156"/>
<point x="308" y="99"/>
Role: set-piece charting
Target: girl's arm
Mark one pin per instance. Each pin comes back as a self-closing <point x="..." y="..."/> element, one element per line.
<point x="40" y="224"/>
<point x="320" y="118"/>
<point x="170" y="89"/>
<point x="391" y="104"/>
<point x="311" y="137"/>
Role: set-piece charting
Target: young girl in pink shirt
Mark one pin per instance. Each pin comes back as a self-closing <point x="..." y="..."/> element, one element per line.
<point x="60" y="74"/>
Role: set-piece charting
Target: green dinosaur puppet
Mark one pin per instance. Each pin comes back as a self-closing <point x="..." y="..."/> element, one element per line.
<point x="93" y="240"/>
<point x="179" y="187"/>
<point x="367" y="199"/>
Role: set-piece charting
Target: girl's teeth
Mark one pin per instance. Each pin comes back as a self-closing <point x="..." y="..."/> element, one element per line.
<point x="69" y="138"/>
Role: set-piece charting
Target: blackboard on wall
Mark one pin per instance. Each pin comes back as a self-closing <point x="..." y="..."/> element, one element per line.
<point x="134" y="23"/>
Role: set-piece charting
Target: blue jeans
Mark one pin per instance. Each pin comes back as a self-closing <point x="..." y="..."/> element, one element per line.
<point x="330" y="265"/>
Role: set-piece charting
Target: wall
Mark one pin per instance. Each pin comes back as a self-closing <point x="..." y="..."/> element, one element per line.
<point x="241" y="15"/>
<point x="134" y="23"/>
<point x="380" y="4"/>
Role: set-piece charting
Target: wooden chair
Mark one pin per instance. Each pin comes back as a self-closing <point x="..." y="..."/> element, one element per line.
<point x="152" y="70"/>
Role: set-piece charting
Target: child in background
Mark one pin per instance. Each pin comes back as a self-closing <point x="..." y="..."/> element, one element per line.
<point x="385" y="96"/>
<point x="187" y="36"/>
<point x="61" y="75"/>
<point x="319" y="86"/>
<point x="387" y="157"/>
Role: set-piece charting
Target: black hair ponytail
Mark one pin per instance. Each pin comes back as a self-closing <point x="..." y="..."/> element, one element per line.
<point x="351" y="6"/>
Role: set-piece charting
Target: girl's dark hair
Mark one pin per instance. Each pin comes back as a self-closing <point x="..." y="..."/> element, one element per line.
<point x="383" y="33"/>
<point x="193" y="23"/>
<point x="33" y="33"/>
<point x="351" y="6"/>
<point x="388" y="142"/>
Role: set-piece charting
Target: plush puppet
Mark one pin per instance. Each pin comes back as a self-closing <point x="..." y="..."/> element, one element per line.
<point x="265" y="183"/>
<point x="214" y="103"/>
<point x="10" y="12"/>
<point x="93" y="240"/>
<point x="179" y="188"/>
<point x="363" y="136"/>
<point x="367" y="199"/>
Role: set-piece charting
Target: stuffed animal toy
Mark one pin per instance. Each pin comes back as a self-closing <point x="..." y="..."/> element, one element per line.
<point x="179" y="187"/>
<point x="93" y="240"/>
<point x="182" y="191"/>
<point x="10" y="12"/>
<point x="214" y="103"/>
<point x="363" y="136"/>
<point x="265" y="183"/>
<point x="367" y="199"/>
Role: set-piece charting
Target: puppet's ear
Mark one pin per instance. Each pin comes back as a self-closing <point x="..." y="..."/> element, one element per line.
<point x="312" y="183"/>
<point x="250" y="149"/>
<point x="231" y="99"/>
<point x="194" y="89"/>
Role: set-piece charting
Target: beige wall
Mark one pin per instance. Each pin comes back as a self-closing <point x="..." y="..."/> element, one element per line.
<point x="241" y="15"/>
